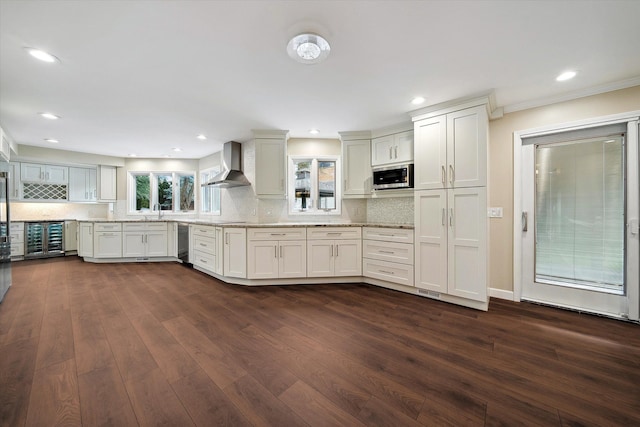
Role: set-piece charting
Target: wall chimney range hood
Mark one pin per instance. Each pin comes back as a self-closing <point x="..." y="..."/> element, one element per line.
<point x="231" y="175"/>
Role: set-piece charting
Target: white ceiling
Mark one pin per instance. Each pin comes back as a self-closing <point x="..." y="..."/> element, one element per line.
<point x="147" y="76"/>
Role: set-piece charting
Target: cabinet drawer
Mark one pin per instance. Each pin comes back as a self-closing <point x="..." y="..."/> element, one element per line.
<point x="205" y="244"/>
<point x="16" y="227"/>
<point x="108" y="226"/>
<point x="202" y="259"/>
<point x="401" y="235"/>
<point x="203" y="230"/>
<point x="17" y="249"/>
<point x="388" y="251"/>
<point x="144" y="226"/>
<point x="17" y="237"/>
<point x="388" y="271"/>
<point x="334" y="233"/>
<point x="296" y="233"/>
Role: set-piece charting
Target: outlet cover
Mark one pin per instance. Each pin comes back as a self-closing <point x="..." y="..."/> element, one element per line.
<point x="495" y="212"/>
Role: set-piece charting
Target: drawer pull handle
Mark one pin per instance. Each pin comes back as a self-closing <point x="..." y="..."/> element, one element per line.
<point x="387" y="252"/>
<point x="277" y="234"/>
<point x="202" y="244"/>
<point x="386" y="272"/>
<point x="334" y="233"/>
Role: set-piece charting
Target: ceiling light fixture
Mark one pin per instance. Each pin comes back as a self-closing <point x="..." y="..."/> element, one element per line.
<point x="417" y="100"/>
<point x="567" y="75"/>
<point x="41" y="55"/>
<point x="49" y="116"/>
<point x="51" y="140"/>
<point x="308" y="48"/>
<point x="201" y="137"/>
<point x="314" y="131"/>
<point x="133" y="155"/>
<point x="177" y="149"/>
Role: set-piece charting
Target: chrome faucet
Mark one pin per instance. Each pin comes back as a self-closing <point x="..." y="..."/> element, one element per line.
<point x="157" y="206"/>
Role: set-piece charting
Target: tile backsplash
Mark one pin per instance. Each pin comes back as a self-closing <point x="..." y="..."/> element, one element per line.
<point x="45" y="211"/>
<point x="396" y="210"/>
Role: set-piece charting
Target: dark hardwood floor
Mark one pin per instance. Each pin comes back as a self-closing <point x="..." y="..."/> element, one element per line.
<point x="160" y="344"/>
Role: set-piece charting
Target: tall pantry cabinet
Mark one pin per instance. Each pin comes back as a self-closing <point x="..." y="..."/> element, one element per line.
<point x="451" y="224"/>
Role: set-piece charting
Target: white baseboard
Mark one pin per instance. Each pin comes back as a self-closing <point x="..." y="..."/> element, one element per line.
<point x="501" y="293"/>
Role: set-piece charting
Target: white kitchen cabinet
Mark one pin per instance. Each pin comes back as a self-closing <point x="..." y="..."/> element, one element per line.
<point x="356" y="168"/>
<point x="107" y="240"/>
<point x="16" y="234"/>
<point x="47" y="174"/>
<point x="235" y="252"/>
<point x="204" y="250"/>
<point x="451" y="150"/>
<point x="107" y="183"/>
<point x="82" y="184"/>
<point x="334" y="251"/>
<point x="5" y="145"/>
<point x="85" y="239"/>
<point x="276" y="253"/>
<point x="451" y="236"/>
<point x="387" y="254"/>
<point x="14" y="181"/>
<point x="70" y="236"/>
<point x="394" y="148"/>
<point x="271" y="168"/>
<point x="144" y="239"/>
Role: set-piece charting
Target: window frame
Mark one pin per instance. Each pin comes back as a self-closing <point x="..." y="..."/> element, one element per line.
<point x="215" y="199"/>
<point x="314" y="210"/>
<point x="153" y="196"/>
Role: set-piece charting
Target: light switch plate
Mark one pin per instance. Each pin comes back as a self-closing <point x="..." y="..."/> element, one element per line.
<point x="495" y="212"/>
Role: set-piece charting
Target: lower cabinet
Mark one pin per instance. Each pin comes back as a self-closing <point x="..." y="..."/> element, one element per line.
<point x="205" y="251"/>
<point x="85" y="239"/>
<point x="16" y="234"/>
<point x="235" y="252"/>
<point x="144" y="239"/>
<point x="334" y="251"/>
<point x="107" y="240"/>
<point x="276" y="253"/>
<point x="388" y="255"/>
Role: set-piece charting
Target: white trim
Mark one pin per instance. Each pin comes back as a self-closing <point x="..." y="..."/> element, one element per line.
<point x="501" y="294"/>
<point x="570" y="96"/>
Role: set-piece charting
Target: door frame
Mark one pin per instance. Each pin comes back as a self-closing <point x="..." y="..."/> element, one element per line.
<point x="632" y="199"/>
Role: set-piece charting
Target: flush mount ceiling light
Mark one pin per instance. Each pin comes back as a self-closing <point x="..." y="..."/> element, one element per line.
<point x="567" y="75"/>
<point x="201" y="137"/>
<point x="177" y="149"/>
<point x="308" y="48"/>
<point x="51" y="140"/>
<point x="417" y="100"/>
<point x="49" y="116"/>
<point x="314" y="131"/>
<point x="41" y="55"/>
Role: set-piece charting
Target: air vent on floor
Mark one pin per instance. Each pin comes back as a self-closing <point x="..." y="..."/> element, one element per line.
<point x="430" y="294"/>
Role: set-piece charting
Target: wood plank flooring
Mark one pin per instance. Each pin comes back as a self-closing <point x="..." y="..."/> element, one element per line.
<point x="161" y="344"/>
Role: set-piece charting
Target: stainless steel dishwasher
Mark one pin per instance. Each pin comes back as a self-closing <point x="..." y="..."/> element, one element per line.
<point x="183" y="243"/>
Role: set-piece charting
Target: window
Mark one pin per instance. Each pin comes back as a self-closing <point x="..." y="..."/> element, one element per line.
<point x="313" y="185"/>
<point x="167" y="191"/>
<point x="209" y="196"/>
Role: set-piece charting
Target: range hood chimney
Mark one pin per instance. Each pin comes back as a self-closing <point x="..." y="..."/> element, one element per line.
<point x="231" y="175"/>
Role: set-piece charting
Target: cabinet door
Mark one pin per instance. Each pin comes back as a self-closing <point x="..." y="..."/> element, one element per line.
<point x="107" y="245"/>
<point x="403" y="147"/>
<point x="219" y="259"/>
<point x="235" y="252"/>
<point x="31" y="172"/>
<point x="85" y="240"/>
<point x="467" y="148"/>
<point x="262" y="259"/>
<point x="270" y="168"/>
<point x="382" y="150"/>
<point x="70" y="236"/>
<point x="14" y="181"/>
<point x="356" y="167"/>
<point x="107" y="183"/>
<point x="133" y="244"/>
<point x="156" y="243"/>
<point x="430" y="150"/>
<point x="467" y="242"/>
<point x="431" y="240"/>
<point x="56" y="174"/>
<point x="348" y="257"/>
<point x="320" y="260"/>
<point x="92" y="185"/>
<point x="78" y="191"/>
<point x="292" y="258"/>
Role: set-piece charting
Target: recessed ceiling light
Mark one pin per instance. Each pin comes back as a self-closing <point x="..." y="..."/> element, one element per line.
<point x="49" y="116"/>
<point x="314" y="131"/>
<point x="51" y="140"/>
<point x="133" y="155"/>
<point x="177" y="149"/>
<point x="567" y="75"/>
<point x="41" y="55"/>
<point x="417" y="100"/>
<point x="201" y="137"/>
<point x="308" y="48"/>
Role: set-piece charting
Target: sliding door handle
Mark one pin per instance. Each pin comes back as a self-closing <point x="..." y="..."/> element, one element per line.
<point x="525" y="221"/>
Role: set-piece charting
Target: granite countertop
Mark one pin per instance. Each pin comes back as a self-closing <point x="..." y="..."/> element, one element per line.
<point x="232" y="224"/>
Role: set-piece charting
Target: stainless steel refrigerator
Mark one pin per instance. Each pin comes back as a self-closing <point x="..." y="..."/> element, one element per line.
<point x="5" y="239"/>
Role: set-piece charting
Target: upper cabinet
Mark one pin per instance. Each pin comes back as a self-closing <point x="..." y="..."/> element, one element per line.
<point x="14" y="181"/>
<point x="5" y="145"/>
<point x="270" y="174"/>
<point x="356" y="168"/>
<point x="107" y="183"/>
<point x="46" y="174"/>
<point x="82" y="185"/>
<point x="394" y="148"/>
<point x="451" y="149"/>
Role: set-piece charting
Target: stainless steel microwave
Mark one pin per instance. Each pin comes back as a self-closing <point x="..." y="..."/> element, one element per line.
<point x="393" y="177"/>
